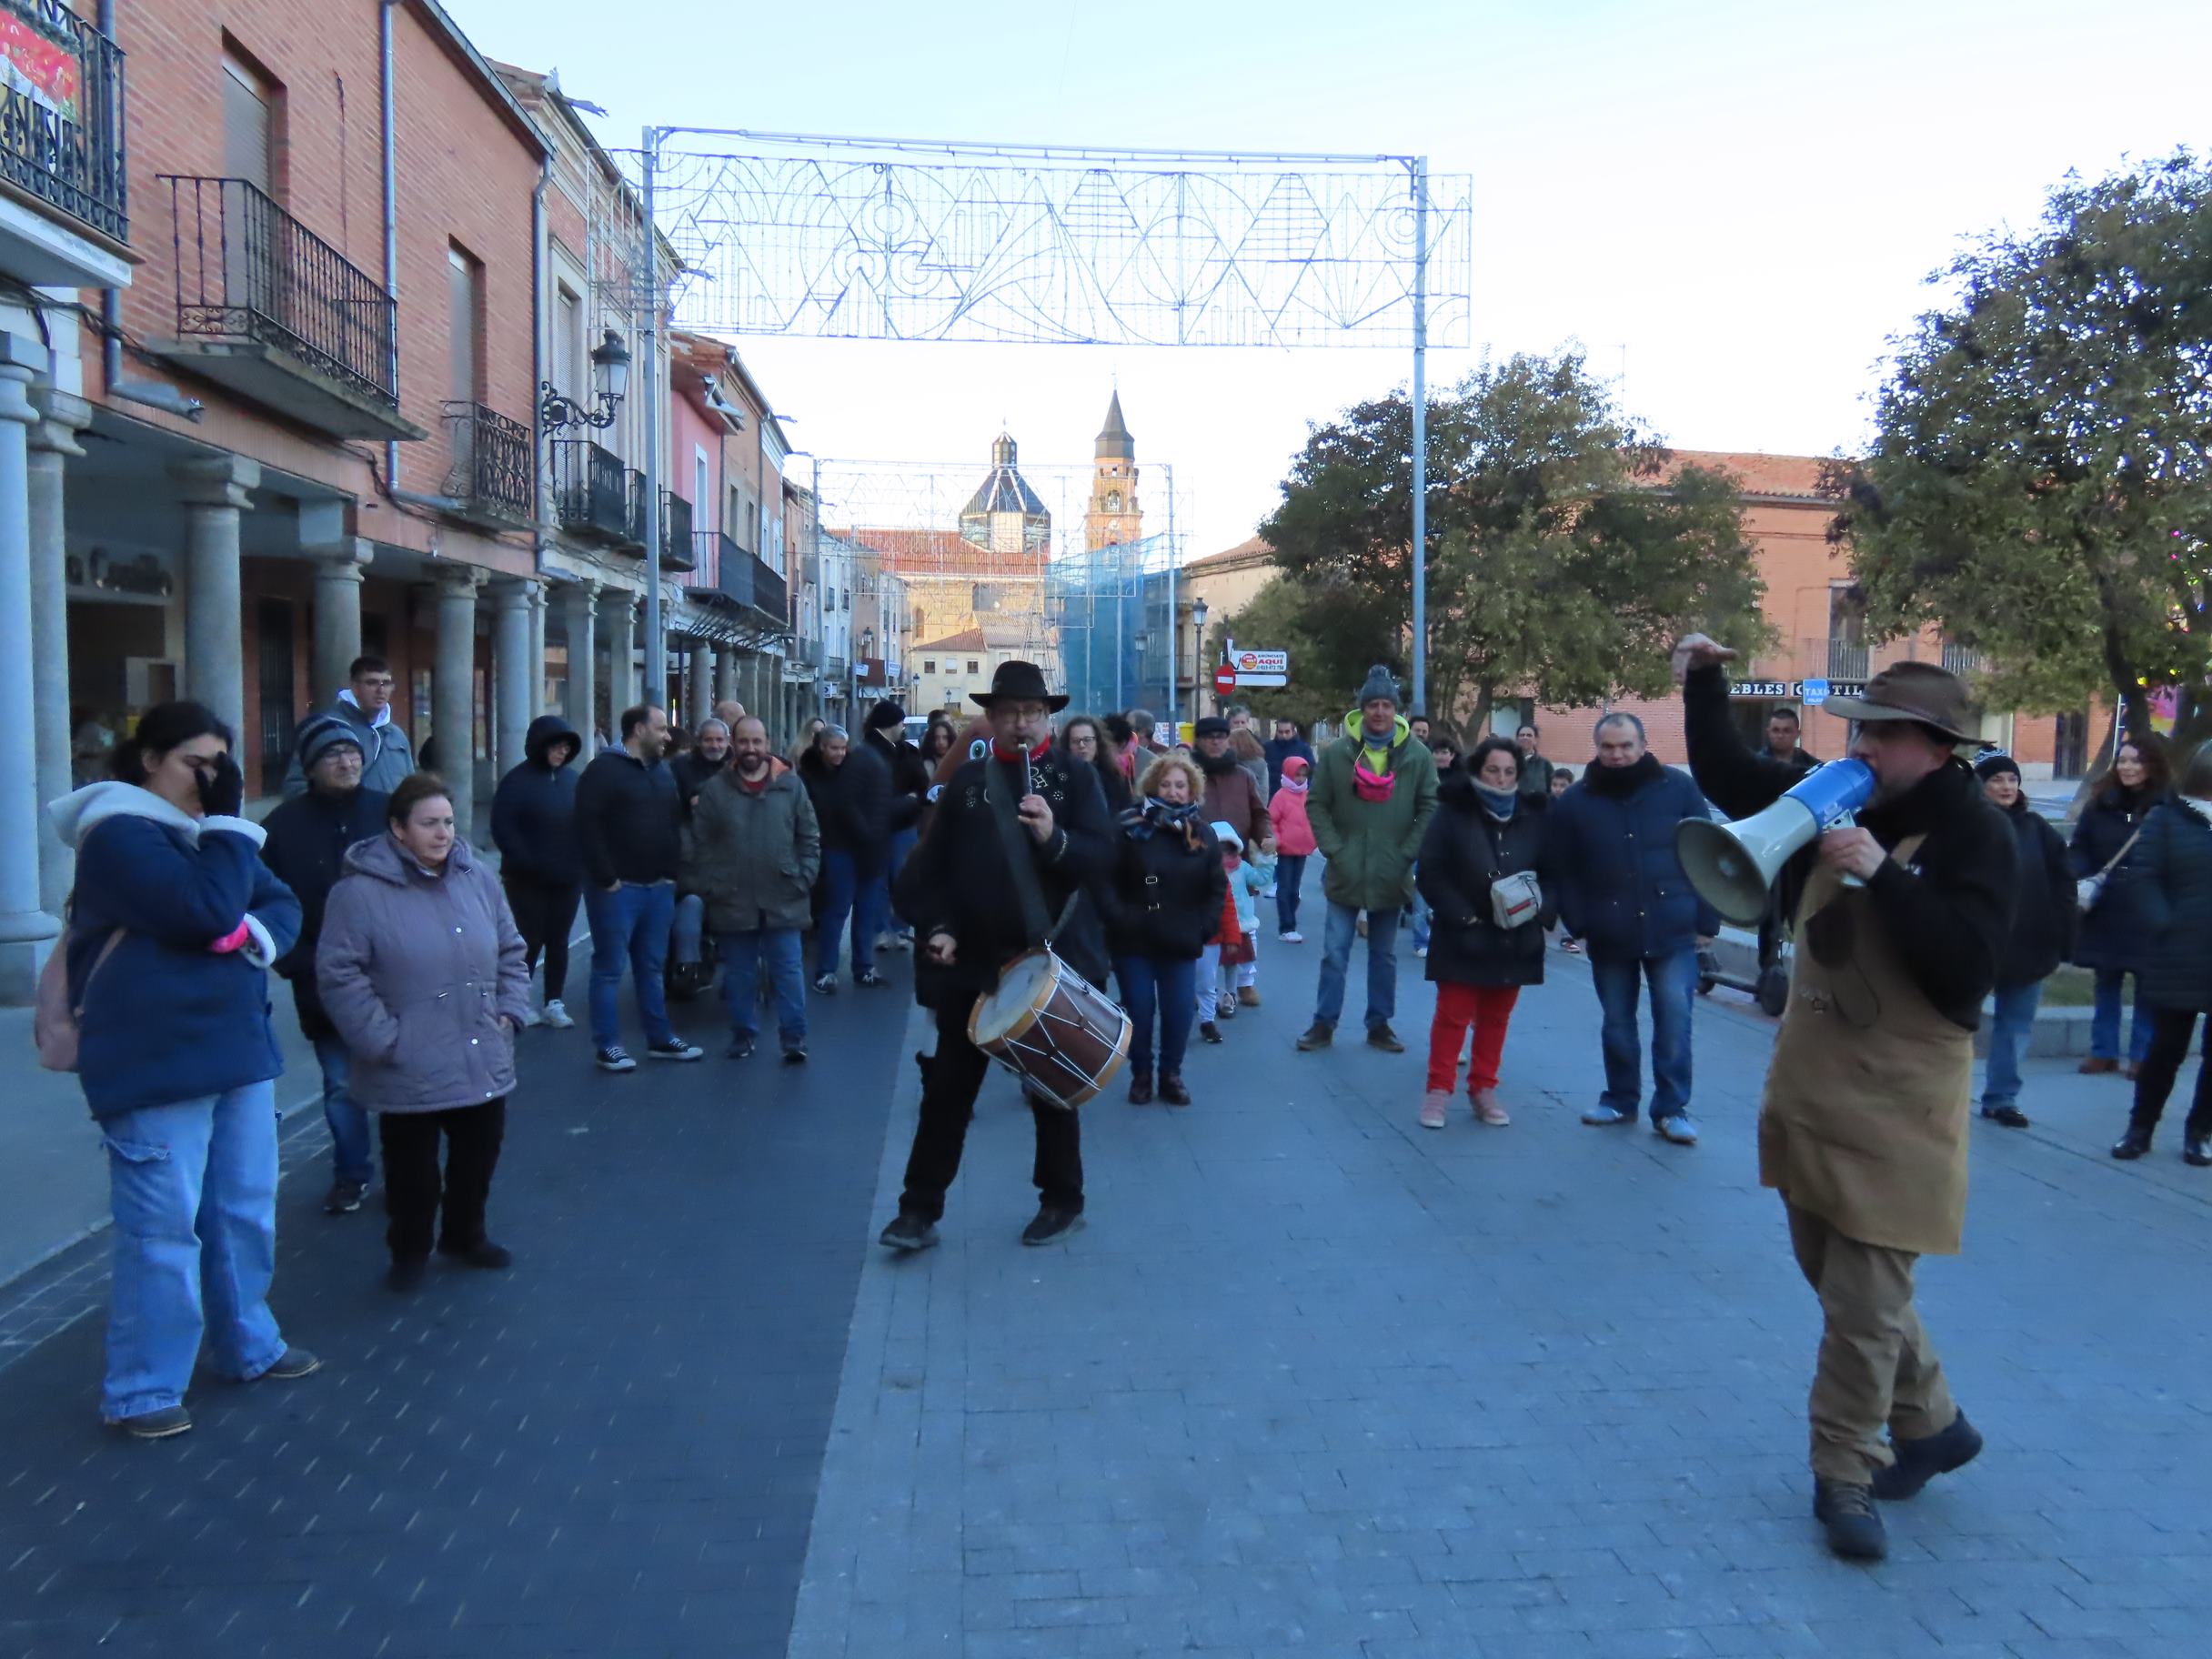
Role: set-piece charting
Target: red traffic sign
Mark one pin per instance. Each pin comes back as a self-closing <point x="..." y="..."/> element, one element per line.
<point x="1224" y="680"/>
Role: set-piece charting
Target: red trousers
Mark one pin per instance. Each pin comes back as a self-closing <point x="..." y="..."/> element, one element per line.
<point x="1487" y="1008"/>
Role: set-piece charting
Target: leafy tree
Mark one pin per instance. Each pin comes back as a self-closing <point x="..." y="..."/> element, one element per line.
<point x="2040" y="483"/>
<point x="1563" y="561"/>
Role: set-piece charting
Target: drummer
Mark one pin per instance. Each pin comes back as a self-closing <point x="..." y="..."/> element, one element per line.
<point x="976" y="910"/>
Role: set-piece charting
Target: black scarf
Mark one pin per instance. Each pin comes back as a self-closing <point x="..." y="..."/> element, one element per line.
<point x="1217" y="766"/>
<point x="1605" y="779"/>
<point x="1928" y="805"/>
<point x="1143" y="822"/>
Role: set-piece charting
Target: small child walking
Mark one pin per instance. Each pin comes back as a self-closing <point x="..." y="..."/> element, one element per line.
<point x="1294" y="844"/>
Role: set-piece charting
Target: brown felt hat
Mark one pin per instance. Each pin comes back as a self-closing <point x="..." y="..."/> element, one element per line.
<point x="1917" y="691"/>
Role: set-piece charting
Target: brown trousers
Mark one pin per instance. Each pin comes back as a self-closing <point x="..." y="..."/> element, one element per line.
<point x="1877" y="1367"/>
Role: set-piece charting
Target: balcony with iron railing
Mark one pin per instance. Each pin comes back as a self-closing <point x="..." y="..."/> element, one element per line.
<point x="62" y="149"/>
<point x="270" y="310"/>
<point x="740" y="576"/>
<point x="591" y="491"/>
<point x="488" y="477"/>
<point x="676" y="539"/>
<point x="1962" y="659"/>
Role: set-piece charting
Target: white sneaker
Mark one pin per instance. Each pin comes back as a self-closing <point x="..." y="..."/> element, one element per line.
<point x="1292" y="938"/>
<point x="1420" y="951"/>
<point x="555" y="1016"/>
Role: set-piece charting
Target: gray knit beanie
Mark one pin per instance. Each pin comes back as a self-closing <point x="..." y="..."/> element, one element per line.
<point x="1380" y="682"/>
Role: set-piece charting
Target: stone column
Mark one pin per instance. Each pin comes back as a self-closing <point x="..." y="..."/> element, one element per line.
<point x="52" y="444"/>
<point x="513" y="707"/>
<point x="702" y="683"/>
<point x="215" y="491"/>
<point x="26" y="930"/>
<point x="338" y="570"/>
<point x="538" y="601"/>
<point x="580" y="607"/>
<point x="621" y="619"/>
<point x="452" y="690"/>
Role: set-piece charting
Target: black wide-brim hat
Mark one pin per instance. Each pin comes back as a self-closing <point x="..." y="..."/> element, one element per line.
<point x="1917" y="691"/>
<point x="1018" y="682"/>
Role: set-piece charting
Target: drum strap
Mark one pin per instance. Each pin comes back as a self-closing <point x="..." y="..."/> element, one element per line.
<point x="1020" y="862"/>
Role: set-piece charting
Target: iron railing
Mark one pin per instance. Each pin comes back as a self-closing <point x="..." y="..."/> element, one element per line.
<point x="591" y="493"/>
<point x="740" y="575"/>
<point x="491" y="462"/>
<point x="248" y="270"/>
<point x="633" y="497"/>
<point x="61" y="114"/>
<point x="675" y="552"/>
<point x="1847" y="659"/>
<point x="1961" y="659"/>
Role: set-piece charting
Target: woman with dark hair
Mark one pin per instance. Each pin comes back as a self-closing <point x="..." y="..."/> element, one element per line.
<point x="1484" y="832"/>
<point x="174" y="925"/>
<point x="2172" y="873"/>
<point x="937" y="740"/>
<point x="2044" y="919"/>
<point x="2116" y="931"/>
<point x="1083" y="740"/>
<point x="1163" y="906"/>
<point x="426" y="976"/>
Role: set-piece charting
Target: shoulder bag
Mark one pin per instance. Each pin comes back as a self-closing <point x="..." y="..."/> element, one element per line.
<point x="2090" y="888"/>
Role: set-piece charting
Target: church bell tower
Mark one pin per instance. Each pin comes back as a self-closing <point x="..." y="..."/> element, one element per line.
<point x="1113" y="518"/>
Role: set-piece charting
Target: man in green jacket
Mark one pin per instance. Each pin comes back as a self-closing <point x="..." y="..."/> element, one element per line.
<point x="1375" y="791"/>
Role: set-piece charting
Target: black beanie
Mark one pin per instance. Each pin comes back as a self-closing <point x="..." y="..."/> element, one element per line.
<point x="1996" y="765"/>
<point x="885" y="713"/>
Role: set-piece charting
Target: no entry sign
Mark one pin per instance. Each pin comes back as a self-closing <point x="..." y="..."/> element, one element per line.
<point x="1224" y="680"/>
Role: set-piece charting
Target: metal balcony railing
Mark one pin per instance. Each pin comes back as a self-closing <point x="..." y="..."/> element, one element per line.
<point x="591" y="493"/>
<point x="490" y="469"/>
<point x="1847" y="659"/>
<point x="740" y="575"/>
<point x="61" y="114"/>
<point x="675" y="533"/>
<point x="1962" y="658"/>
<point x="633" y="497"/>
<point x="248" y="270"/>
<point x="834" y="667"/>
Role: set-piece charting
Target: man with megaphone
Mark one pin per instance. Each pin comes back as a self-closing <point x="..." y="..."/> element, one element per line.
<point x="1863" y="1128"/>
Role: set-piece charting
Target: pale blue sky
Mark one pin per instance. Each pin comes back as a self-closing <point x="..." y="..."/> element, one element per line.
<point x="1745" y="196"/>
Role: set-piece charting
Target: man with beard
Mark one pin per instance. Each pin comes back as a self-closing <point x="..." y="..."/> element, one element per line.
<point x="628" y="825"/>
<point x="1863" y="1128"/>
<point x="308" y="839"/>
<point x="1231" y="797"/>
<point x="975" y="912"/>
<point x="1622" y="892"/>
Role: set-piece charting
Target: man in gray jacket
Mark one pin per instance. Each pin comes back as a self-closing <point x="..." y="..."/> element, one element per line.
<point x="366" y="705"/>
<point x="751" y="850"/>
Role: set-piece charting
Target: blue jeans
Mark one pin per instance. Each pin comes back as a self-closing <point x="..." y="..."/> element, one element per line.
<point x="350" y="1157"/>
<point x="2009" y="1031"/>
<point x="193" y="1187"/>
<point x="1342" y="927"/>
<point x="632" y="922"/>
<point x="1170" y="986"/>
<point x="2104" y="1018"/>
<point x="1420" y="919"/>
<point x="1290" y="877"/>
<point x="845" y="894"/>
<point x="688" y="928"/>
<point x="902" y="843"/>
<point x="741" y="956"/>
<point x="1673" y="981"/>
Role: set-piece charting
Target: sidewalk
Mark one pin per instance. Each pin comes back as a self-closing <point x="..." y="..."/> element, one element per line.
<point x="1314" y="1380"/>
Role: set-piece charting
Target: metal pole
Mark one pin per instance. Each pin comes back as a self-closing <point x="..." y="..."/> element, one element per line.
<point x="1174" y="628"/>
<point x="656" y="643"/>
<point x="1421" y="433"/>
<point x="1120" y="603"/>
<point x="822" y="616"/>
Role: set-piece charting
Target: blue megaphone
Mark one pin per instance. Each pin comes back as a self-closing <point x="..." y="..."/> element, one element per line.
<point x="1732" y="866"/>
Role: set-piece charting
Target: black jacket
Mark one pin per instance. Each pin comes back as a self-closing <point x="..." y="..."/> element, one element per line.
<point x="691" y="769"/>
<point x="533" y="811"/>
<point x="957" y="881"/>
<point x="1950" y="914"/>
<point x="910" y="779"/>
<point x="853" y="804"/>
<point x="2171" y="871"/>
<point x="628" y="820"/>
<point x="1465" y="852"/>
<point x="1113" y="786"/>
<point x="1164" y="900"/>
<point x="2116" y="933"/>
<point x="307" y="841"/>
<point x="2044" y="913"/>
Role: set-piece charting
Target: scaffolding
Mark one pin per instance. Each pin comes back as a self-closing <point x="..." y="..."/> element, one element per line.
<point x="1110" y="613"/>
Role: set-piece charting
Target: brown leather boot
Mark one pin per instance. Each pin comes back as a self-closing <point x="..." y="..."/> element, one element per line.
<point x="2096" y="1064"/>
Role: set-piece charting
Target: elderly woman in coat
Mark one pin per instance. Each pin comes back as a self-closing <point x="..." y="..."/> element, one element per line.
<point x="422" y="972"/>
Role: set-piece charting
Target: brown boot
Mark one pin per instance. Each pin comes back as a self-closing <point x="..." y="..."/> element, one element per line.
<point x="2096" y="1064"/>
<point x="1247" y="996"/>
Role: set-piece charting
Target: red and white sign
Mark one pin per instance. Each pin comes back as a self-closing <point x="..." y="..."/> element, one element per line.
<point x="1224" y="680"/>
<point x="39" y="68"/>
<point x="1262" y="662"/>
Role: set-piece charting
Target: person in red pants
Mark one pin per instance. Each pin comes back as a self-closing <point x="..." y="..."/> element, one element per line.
<point x="1483" y="870"/>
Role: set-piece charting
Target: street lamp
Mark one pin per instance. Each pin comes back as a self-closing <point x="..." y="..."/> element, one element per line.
<point x="610" y="380"/>
<point x="1198" y="655"/>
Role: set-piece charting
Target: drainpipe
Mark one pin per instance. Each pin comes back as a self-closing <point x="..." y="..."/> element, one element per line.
<point x="541" y="266"/>
<point x="151" y="393"/>
<point x="391" y="223"/>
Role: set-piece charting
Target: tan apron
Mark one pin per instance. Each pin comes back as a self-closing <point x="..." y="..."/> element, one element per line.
<point x="1867" y="1102"/>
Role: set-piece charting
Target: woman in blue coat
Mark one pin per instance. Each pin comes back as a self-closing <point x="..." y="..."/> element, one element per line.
<point x="172" y="930"/>
<point x="2171" y="876"/>
<point x="2116" y="933"/>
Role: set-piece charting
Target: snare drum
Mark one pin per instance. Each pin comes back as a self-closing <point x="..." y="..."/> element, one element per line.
<point x="1051" y="1028"/>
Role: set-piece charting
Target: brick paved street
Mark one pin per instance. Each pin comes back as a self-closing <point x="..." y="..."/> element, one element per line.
<point x="1312" y="1381"/>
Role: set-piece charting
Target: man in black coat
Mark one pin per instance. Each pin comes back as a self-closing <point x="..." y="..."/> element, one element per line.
<point x="885" y="735"/>
<point x="1026" y="800"/>
<point x="533" y="824"/>
<point x="308" y="839"/>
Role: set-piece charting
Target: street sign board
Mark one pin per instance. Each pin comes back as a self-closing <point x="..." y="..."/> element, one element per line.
<point x="1815" y="692"/>
<point x="1260" y="662"/>
<point x="1810" y="691"/>
<point x="1224" y="680"/>
<point x="1264" y="682"/>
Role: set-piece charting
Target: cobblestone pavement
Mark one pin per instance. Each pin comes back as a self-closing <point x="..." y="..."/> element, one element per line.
<point x="1315" y="1380"/>
<point x="612" y="1450"/>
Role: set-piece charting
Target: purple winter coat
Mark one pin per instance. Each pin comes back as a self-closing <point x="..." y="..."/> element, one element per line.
<point x="415" y="972"/>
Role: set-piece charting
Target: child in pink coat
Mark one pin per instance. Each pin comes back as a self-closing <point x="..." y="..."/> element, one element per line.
<point x="1294" y="844"/>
